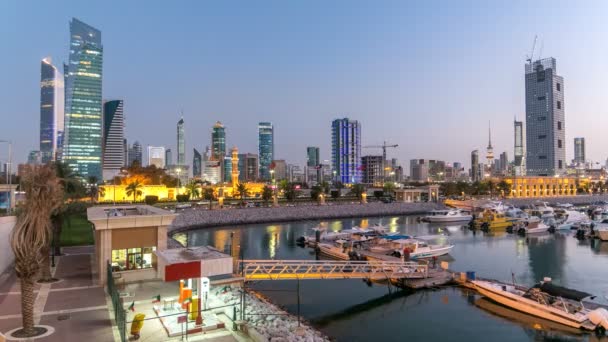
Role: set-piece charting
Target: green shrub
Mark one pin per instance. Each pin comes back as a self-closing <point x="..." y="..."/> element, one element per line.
<point x="183" y="198"/>
<point x="151" y="200"/>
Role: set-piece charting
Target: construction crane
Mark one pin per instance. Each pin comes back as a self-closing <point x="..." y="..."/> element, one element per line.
<point x="383" y="147"/>
<point x="530" y="57"/>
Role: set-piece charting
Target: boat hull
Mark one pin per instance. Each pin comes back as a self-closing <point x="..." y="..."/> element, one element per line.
<point x="525" y="305"/>
<point x="603" y="234"/>
<point x="447" y="219"/>
<point x="332" y="252"/>
<point x="432" y="253"/>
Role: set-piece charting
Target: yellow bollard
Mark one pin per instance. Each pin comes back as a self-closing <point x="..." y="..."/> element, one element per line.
<point x="194" y="308"/>
<point x="137" y="324"/>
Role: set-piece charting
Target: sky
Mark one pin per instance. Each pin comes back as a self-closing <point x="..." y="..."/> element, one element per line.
<point x="427" y="75"/>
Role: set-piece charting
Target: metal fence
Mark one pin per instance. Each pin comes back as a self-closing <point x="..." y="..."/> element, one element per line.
<point x="120" y="314"/>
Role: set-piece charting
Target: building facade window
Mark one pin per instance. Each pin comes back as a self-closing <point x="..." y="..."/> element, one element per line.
<point x="542" y="136"/>
<point x="559" y="125"/>
<point x="559" y="105"/>
<point x="133" y="258"/>
<point x="559" y="87"/>
<point x="559" y="143"/>
<point x="542" y="118"/>
<point x="541" y="98"/>
<point x="542" y="157"/>
<point x="559" y="164"/>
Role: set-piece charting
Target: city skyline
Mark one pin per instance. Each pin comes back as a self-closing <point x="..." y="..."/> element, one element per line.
<point x="287" y="95"/>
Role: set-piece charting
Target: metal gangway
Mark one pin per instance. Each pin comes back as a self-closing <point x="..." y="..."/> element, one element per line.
<point x="330" y="269"/>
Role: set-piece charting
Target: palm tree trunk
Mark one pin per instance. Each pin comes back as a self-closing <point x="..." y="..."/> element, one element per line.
<point x="28" y="298"/>
<point x="57" y="225"/>
<point x="45" y="264"/>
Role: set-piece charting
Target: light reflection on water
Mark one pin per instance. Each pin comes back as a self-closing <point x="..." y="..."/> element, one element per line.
<point x="349" y="310"/>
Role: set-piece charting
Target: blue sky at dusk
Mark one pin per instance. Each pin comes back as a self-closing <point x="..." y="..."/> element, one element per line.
<point x="425" y="75"/>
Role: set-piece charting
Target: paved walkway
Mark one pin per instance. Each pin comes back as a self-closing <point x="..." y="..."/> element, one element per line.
<point x="77" y="308"/>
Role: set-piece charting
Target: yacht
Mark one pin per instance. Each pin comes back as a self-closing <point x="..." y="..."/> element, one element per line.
<point x="418" y="248"/>
<point x="571" y="218"/>
<point x="548" y="301"/>
<point x="339" y="249"/>
<point x="454" y="215"/>
<point x="532" y="226"/>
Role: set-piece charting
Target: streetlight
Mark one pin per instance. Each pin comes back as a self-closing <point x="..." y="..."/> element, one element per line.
<point x="9" y="180"/>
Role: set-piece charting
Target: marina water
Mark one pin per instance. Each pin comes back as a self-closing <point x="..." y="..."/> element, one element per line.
<point x="352" y="310"/>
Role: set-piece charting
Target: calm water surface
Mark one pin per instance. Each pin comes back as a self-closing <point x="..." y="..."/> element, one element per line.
<point x="350" y="310"/>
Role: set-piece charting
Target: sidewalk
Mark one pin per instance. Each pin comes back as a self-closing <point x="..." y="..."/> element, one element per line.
<point x="77" y="308"/>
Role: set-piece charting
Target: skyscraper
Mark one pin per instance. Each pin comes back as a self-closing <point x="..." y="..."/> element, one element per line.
<point x="346" y="150"/>
<point x="519" y="149"/>
<point x="135" y="154"/>
<point x="168" y="157"/>
<point x="197" y="163"/>
<point x="51" y="110"/>
<point x="579" y="151"/>
<point x="312" y="156"/>
<point x="475" y="172"/>
<point x="181" y="143"/>
<point x="82" y="143"/>
<point x="157" y="156"/>
<point x="265" y="148"/>
<point x="113" y="138"/>
<point x="504" y="164"/>
<point x="545" y="119"/>
<point x="372" y="169"/>
<point x="218" y="141"/>
<point x="248" y="167"/>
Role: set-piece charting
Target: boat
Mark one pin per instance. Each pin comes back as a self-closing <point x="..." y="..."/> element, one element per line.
<point x="532" y="226"/>
<point x="585" y="229"/>
<point x="494" y="220"/>
<point x="548" y="301"/>
<point x="572" y="217"/>
<point x="417" y="247"/>
<point x="453" y="215"/>
<point x="601" y="231"/>
<point x="338" y="249"/>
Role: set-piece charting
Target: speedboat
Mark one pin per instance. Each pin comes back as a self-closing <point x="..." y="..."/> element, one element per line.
<point x="418" y="248"/>
<point x="339" y="249"/>
<point x="601" y="231"/>
<point x="454" y="215"/>
<point x="572" y="217"/>
<point x="532" y="226"/>
<point x="548" y="301"/>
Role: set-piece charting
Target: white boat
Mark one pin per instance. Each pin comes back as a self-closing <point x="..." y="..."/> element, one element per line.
<point x="548" y="301"/>
<point x="453" y="215"/>
<point x="418" y="248"/>
<point x="533" y="226"/>
<point x="338" y="249"/>
<point x="572" y="218"/>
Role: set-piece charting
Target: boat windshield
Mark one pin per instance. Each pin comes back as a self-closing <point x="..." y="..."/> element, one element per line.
<point x="559" y="291"/>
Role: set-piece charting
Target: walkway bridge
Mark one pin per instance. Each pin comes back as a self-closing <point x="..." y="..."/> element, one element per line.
<point x="329" y="269"/>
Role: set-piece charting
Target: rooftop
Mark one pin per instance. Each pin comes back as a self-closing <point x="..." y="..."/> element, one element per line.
<point x="129" y="216"/>
<point x="182" y="255"/>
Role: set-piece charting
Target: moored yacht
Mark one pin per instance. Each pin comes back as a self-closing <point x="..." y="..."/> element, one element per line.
<point x="453" y="215"/>
<point x="548" y="301"/>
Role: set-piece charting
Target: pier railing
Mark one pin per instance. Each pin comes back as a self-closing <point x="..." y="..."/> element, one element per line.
<point x="328" y="269"/>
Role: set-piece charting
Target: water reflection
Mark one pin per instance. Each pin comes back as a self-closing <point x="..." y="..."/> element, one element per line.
<point x="547" y="253"/>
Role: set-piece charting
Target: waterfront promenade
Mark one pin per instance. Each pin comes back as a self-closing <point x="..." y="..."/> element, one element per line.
<point x="203" y="218"/>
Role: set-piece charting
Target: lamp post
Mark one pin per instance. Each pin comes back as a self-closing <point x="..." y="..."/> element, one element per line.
<point x="9" y="180"/>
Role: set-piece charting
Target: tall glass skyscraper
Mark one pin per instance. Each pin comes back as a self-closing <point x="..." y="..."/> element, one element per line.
<point x="312" y="156"/>
<point x="519" y="149"/>
<point x="218" y="142"/>
<point x="113" y="138"/>
<point x="181" y="143"/>
<point x="545" y="119"/>
<point x="579" y="151"/>
<point x="197" y="163"/>
<point x="346" y="150"/>
<point x="82" y="145"/>
<point x="265" y="148"/>
<point x="51" y="110"/>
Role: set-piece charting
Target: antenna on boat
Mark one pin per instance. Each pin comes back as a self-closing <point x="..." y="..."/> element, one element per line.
<point x="513" y="277"/>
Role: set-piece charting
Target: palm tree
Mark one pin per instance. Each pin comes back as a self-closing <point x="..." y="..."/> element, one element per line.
<point x="134" y="188"/>
<point x="358" y="190"/>
<point x="242" y="190"/>
<point x="389" y="187"/>
<point x="209" y="196"/>
<point x="73" y="189"/>
<point x="266" y="194"/>
<point x="32" y="234"/>
<point x="193" y="188"/>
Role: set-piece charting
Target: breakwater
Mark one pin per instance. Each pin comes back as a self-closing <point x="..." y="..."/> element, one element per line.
<point x="201" y="218"/>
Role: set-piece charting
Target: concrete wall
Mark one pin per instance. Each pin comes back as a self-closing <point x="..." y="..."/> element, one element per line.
<point x="7" y="223"/>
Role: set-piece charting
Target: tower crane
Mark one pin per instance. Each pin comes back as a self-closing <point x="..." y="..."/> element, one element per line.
<point x="384" y="146"/>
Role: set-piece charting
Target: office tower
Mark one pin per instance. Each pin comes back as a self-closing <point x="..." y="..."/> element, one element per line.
<point x="197" y="163"/>
<point x="226" y="169"/>
<point x="168" y="157"/>
<point x="51" y="110"/>
<point x="457" y="166"/>
<point x="504" y="163"/>
<point x="295" y="174"/>
<point x="218" y="142"/>
<point x="135" y="154"/>
<point x="181" y="143"/>
<point x="113" y="138"/>
<point x="519" y="150"/>
<point x="346" y="150"/>
<point x="579" y="151"/>
<point x="82" y="142"/>
<point x="372" y="169"/>
<point x="312" y="156"/>
<point x="419" y="170"/>
<point x="265" y="148"/>
<point x="280" y="169"/>
<point x="34" y="158"/>
<point x="545" y="119"/>
<point x="125" y="149"/>
<point x="157" y="156"/>
<point x="475" y="171"/>
<point x="212" y="171"/>
<point x="248" y="167"/>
